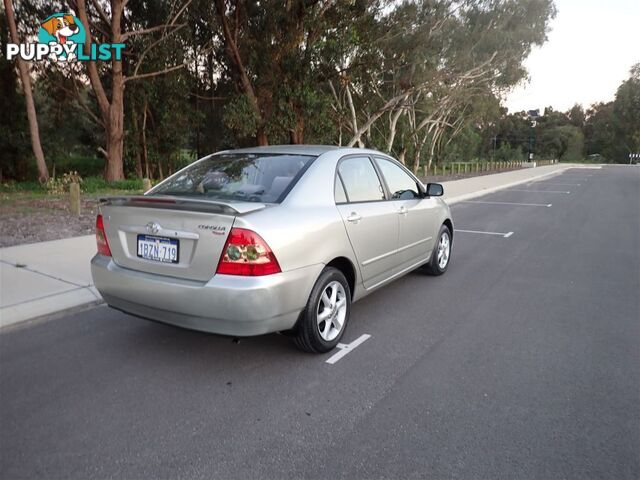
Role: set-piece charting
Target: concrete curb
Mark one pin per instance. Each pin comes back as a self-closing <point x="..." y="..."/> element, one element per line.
<point x="49" y="305"/>
<point x="44" y="279"/>
<point x="486" y="191"/>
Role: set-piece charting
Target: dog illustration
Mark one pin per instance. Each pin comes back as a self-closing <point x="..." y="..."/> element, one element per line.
<point x="61" y="28"/>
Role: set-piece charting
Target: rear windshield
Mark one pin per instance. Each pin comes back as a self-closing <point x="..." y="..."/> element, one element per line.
<point x="246" y="177"/>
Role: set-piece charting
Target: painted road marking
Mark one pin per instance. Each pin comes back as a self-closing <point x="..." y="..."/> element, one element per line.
<point x="538" y="191"/>
<point x="346" y="348"/>
<point x="545" y="184"/>
<point x="512" y="203"/>
<point x="500" y="234"/>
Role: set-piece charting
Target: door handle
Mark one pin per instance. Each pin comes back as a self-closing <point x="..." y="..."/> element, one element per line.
<point x="354" y="217"/>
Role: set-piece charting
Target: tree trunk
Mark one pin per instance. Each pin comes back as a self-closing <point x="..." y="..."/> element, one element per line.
<point x="357" y="136"/>
<point x="393" y="122"/>
<point x="25" y="78"/>
<point x="416" y="162"/>
<point x="145" y="156"/>
<point x="115" y="132"/>
<point x="261" y="137"/>
<point x="137" y="135"/>
<point x="296" y="134"/>
<point x="401" y="155"/>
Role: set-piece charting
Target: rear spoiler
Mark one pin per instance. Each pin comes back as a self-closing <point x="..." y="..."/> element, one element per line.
<point x="168" y="202"/>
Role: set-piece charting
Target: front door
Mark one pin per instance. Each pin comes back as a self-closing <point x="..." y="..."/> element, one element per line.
<point x="417" y="215"/>
<point x="371" y="221"/>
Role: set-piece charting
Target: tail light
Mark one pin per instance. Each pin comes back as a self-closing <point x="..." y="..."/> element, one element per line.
<point x="101" y="238"/>
<point x="246" y="253"/>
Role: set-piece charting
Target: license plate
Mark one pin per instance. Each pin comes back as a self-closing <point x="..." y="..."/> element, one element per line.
<point x="158" y="249"/>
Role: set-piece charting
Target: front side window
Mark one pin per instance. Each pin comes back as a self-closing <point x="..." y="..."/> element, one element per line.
<point x="249" y="177"/>
<point x="360" y="179"/>
<point x="400" y="183"/>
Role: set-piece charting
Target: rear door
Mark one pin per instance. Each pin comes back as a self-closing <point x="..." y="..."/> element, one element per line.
<point x="371" y="222"/>
<point x="417" y="215"/>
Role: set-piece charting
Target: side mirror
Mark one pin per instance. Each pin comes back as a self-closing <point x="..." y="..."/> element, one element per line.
<point x="434" y="190"/>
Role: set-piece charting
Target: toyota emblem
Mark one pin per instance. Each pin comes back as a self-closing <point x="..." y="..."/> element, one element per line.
<point x="153" y="228"/>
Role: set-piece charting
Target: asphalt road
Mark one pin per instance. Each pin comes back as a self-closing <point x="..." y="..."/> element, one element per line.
<point x="523" y="361"/>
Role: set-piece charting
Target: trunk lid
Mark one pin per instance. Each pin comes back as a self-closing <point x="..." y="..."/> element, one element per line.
<point x="199" y="227"/>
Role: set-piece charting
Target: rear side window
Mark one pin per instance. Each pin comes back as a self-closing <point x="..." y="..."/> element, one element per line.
<point x="248" y="177"/>
<point x="360" y="179"/>
<point x="401" y="185"/>
<point x="338" y="190"/>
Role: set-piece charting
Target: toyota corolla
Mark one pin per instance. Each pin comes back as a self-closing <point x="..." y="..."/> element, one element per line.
<point x="270" y="239"/>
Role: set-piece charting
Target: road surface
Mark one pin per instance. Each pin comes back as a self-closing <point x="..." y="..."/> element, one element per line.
<point x="523" y="361"/>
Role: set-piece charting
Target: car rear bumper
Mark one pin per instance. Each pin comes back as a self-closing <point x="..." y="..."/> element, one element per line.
<point x="226" y="304"/>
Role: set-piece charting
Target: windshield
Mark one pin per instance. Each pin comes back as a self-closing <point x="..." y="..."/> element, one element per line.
<point x="249" y="177"/>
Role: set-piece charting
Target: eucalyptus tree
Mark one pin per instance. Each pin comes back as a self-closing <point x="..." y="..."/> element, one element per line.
<point x="431" y="60"/>
<point x="111" y="22"/>
<point x="25" y="79"/>
<point x="278" y="55"/>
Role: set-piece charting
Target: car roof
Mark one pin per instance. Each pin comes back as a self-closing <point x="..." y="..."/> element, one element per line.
<point x="315" y="150"/>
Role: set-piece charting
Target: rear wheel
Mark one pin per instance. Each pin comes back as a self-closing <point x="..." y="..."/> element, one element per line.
<point x="323" y="321"/>
<point x="441" y="253"/>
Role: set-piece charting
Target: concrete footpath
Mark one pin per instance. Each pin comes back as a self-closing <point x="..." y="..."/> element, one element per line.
<point x="45" y="278"/>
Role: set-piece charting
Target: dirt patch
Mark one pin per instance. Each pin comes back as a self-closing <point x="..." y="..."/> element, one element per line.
<point x="29" y="218"/>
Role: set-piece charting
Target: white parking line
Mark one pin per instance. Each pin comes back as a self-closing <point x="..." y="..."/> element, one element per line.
<point x="512" y="203"/>
<point x="545" y="184"/>
<point x="346" y="348"/>
<point x="538" y="191"/>
<point x="500" y="234"/>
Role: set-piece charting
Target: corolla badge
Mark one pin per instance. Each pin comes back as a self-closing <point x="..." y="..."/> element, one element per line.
<point x="153" y="228"/>
<point x="215" y="229"/>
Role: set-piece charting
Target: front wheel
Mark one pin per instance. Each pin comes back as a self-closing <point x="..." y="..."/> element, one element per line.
<point x="323" y="321"/>
<point x="441" y="253"/>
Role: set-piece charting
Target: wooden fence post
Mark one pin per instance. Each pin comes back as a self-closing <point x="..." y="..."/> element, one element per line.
<point x="146" y="184"/>
<point x="74" y="198"/>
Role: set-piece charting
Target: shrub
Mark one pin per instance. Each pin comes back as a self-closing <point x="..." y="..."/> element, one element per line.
<point x="87" y="166"/>
<point x="97" y="184"/>
<point x="60" y="185"/>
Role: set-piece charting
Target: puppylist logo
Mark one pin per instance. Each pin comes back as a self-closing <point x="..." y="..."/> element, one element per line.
<point x="61" y="37"/>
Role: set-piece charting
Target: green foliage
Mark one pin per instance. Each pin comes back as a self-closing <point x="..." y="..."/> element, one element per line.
<point x="464" y="148"/>
<point x="24" y="186"/>
<point x="612" y="130"/>
<point x="447" y="62"/>
<point x="240" y="118"/>
<point x="99" y="184"/>
<point x="507" y="153"/>
<point x="85" y="165"/>
<point x="15" y="156"/>
<point x="60" y="185"/>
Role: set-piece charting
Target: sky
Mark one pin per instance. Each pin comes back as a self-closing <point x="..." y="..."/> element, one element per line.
<point x="591" y="48"/>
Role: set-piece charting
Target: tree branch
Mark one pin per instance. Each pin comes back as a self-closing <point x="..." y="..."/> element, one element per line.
<point x="157" y="28"/>
<point x="149" y="48"/>
<point x="101" y="12"/>
<point x="154" y="74"/>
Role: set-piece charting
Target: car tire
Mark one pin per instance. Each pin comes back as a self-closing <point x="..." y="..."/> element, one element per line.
<point x="324" y="319"/>
<point x="441" y="255"/>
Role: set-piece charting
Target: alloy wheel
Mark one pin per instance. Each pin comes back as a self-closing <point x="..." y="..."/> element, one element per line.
<point x="444" y="249"/>
<point x="331" y="311"/>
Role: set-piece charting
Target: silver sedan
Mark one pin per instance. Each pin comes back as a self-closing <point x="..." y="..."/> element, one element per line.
<point x="282" y="238"/>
